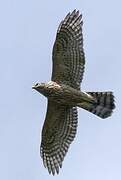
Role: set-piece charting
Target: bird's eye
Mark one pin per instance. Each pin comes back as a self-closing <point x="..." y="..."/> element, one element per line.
<point x="36" y="84"/>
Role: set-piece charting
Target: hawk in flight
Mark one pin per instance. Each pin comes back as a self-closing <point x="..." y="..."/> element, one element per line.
<point x="64" y="94"/>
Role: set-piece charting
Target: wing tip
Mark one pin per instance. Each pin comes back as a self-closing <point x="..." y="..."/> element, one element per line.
<point x="71" y="17"/>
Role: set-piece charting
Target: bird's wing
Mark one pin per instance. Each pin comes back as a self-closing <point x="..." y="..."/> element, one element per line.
<point x="58" y="132"/>
<point x="68" y="55"/>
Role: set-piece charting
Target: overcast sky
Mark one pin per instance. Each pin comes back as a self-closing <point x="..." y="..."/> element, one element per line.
<point x="27" y="34"/>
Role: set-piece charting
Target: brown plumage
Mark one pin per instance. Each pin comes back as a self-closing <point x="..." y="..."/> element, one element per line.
<point x="64" y="95"/>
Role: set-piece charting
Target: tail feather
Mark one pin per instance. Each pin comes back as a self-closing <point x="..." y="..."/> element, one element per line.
<point x="103" y="106"/>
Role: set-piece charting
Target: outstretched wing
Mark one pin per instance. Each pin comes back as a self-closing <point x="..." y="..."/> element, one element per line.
<point x="58" y="132"/>
<point x="68" y="54"/>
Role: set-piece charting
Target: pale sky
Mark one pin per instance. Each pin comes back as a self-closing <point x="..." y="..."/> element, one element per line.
<point x="27" y="34"/>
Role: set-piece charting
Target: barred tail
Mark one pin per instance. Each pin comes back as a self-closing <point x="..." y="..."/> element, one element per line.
<point x="103" y="106"/>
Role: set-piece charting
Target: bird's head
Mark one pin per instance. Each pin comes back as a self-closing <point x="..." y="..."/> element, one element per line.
<point x="46" y="88"/>
<point x="40" y="87"/>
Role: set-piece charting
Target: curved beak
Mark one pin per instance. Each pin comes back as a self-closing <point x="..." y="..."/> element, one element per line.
<point x="33" y="87"/>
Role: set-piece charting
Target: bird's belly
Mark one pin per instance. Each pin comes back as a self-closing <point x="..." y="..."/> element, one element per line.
<point x="63" y="101"/>
<point x="69" y="96"/>
<point x="65" y="98"/>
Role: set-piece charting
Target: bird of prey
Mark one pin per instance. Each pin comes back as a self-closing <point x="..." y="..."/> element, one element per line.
<point x="64" y="94"/>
